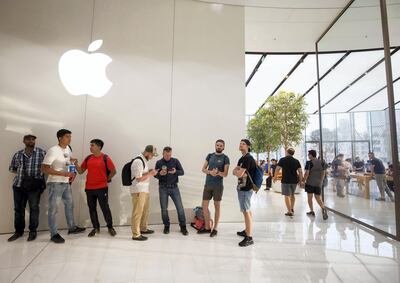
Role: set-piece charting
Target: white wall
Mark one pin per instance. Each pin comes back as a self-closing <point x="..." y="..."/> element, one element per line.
<point x="178" y="74"/>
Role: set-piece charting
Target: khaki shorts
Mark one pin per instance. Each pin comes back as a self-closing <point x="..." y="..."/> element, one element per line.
<point x="213" y="192"/>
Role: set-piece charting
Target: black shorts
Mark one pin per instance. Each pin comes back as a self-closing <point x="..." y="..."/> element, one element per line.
<point x="213" y="192"/>
<point x="313" y="190"/>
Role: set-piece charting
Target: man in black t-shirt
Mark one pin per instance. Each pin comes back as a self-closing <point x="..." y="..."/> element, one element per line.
<point x="244" y="171"/>
<point x="291" y="176"/>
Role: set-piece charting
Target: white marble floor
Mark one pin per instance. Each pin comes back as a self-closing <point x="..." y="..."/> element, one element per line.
<point x="297" y="249"/>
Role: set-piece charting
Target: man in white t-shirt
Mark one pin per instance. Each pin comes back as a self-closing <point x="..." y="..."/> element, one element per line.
<point x="55" y="165"/>
<point x="140" y="193"/>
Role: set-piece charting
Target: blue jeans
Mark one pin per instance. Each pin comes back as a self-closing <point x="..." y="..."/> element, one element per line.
<point x="60" y="191"/>
<point x="175" y="195"/>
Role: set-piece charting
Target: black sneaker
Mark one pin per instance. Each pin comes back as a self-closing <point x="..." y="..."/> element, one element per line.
<point x="310" y="213"/>
<point x="14" y="237"/>
<point x="93" y="232"/>
<point x="57" y="239"/>
<point x="76" y="230"/>
<point x="111" y="231"/>
<point x="289" y="214"/>
<point x="32" y="236"/>
<point x="148" y="231"/>
<point x="241" y="233"/>
<point x="184" y="231"/>
<point x="204" y="231"/>
<point x="166" y="230"/>
<point x="247" y="241"/>
<point x="324" y="214"/>
<point x="213" y="233"/>
<point x="140" y="238"/>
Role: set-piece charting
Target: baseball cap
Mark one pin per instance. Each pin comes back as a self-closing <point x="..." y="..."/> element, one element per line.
<point x="29" y="137"/>
<point x="151" y="149"/>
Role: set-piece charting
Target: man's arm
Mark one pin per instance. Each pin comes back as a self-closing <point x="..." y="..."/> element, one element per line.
<point x="13" y="166"/>
<point x="46" y="169"/>
<point x="300" y="174"/>
<point x="112" y="174"/>
<point x="239" y="171"/>
<point x="79" y="168"/>
<point x="179" y="168"/>
<point x="205" y="168"/>
<point x="225" y="173"/>
<point x="277" y="170"/>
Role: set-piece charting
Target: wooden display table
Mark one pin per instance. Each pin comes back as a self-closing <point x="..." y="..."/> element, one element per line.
<point x="363" y="181"/>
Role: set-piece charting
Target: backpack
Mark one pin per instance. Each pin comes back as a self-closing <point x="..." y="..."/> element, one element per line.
<point x="257" y="178"/>
<point x="105" y="156"/>
<point x="199" y="222"/>
<point x="127" y="172"/>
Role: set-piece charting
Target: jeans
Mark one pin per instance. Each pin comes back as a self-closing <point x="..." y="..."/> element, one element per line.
<point x="21" y="198"/>
<point x="173" y="192"/>
<point x="102" y="196"/>
<point x="59" y="191"/>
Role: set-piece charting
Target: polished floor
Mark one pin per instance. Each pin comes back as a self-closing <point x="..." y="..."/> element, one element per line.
<point x="298" y="249"/>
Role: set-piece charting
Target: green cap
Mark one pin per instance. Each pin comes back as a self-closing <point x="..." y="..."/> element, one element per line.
<point x="151" y="149"/>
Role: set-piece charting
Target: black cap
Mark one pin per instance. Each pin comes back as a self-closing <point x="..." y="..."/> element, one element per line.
<point x="29" y="137"/>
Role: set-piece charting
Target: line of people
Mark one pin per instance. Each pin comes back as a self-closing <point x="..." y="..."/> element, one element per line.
<point x="32" y="163"/>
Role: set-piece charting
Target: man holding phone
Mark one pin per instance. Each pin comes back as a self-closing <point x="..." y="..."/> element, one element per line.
<point x="169" y="169"/>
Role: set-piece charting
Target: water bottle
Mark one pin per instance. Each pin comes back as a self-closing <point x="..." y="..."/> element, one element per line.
<point x="71" y="167"/>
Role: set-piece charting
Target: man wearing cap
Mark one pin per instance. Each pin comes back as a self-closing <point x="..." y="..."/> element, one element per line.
<point x="140" y="193"/>
<point x="27" y="186"/>
<point x="244" y="171"/>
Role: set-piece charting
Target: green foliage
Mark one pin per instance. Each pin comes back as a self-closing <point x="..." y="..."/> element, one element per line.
<point x="290" y="114"/>
<point x="281" y="122"/>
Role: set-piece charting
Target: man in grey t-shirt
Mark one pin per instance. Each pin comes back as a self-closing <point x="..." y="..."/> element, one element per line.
<point x="216" y="167"/>
<point x="314" y="175"/>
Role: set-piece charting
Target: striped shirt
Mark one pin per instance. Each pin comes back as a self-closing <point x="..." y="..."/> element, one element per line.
<point x="29" y="165"/>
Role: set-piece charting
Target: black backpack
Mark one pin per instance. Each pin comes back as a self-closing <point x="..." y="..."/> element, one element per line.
<point x="105" y="156"/>
<point x="127" y="172"/>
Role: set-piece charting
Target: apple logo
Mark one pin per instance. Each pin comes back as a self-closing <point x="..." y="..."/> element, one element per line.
<point x="85" y="73"/>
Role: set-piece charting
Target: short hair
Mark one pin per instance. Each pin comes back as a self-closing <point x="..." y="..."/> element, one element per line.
<point x="98" y="142"/>
<point x="221" y="141"/>
<point x="61" y="133"/>
<point x="312" y="152"/>
<point x="167" y="149"/>
<point x="290" y="151"/>
<point x="247" y="142"/>
<point x="371" y="152"/>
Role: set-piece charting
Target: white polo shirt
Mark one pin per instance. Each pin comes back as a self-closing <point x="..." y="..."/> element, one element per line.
<point x="138" y="171"/>
<point x="57" y="157"/>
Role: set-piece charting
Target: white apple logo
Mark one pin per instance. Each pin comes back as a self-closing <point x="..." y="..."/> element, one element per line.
<point x="85" y="73"/>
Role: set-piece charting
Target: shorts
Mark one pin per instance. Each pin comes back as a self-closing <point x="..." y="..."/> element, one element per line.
<point x="313" y="189"/>
<point x="213" y="192"/>
<point x="245" y="200"/>
<point x="288" y="189"/>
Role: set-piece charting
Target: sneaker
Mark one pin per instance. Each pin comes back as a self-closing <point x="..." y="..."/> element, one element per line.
<point x="247" y="241"/>
<point x="148" y="231"/>
<point x="57" y="239"/>
<point x="204" y="231"/>
<point x="112" y="232"/>
<point x="310" y="213"/>
<point x="241" y="233"/>
<point x="140" y="238"/>
<point x="166" y="230"/>
<point x="93" y="232"/>
<point x="213" y="233"/>
<point x="32" y="236"/>
<point x="289" y="214"/>
<point x="14" y="237"/>
<point x="380" y="199"/>
<point x="324" y="214"/>
<point x="184" y="231"/>
<point x="76" y="230"/>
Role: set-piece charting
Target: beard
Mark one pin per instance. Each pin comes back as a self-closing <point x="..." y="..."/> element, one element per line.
<point x="219" y="150"/>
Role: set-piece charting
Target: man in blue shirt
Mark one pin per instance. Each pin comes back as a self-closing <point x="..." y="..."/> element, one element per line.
<point x="216" y="168"/>
<point x="169" y="169"/>
<point x="378" y="170"/>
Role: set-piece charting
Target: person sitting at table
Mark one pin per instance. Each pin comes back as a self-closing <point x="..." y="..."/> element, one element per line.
<point x="358" y="165"/>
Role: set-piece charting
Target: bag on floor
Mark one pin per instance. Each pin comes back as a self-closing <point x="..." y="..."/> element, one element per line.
<point x="199" y="222"/>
